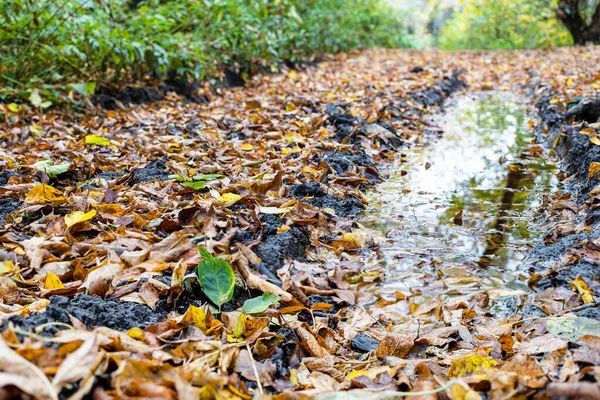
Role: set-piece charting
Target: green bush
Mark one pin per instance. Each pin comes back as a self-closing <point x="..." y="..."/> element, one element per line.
<point x="504" y="24"/>
<point x="48" y="43"/>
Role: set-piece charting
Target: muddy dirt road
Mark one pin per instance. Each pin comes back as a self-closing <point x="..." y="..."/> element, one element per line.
<point x="386" y="222"/>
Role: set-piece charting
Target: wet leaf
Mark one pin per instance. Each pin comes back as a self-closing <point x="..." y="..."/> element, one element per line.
<point x="572" y="328"/>
<point x="43" y="193"/>
<point x="259" y="305"/>
<point x="216" y="278"/>
<point x="76" y="217"/>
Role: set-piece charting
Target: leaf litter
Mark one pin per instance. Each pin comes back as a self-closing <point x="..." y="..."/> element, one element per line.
<point x="105" y="294"/>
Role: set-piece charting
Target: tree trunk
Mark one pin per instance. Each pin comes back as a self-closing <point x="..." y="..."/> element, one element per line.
<point x="569" y="13"/>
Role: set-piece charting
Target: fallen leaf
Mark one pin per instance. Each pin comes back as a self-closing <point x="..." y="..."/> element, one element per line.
<point x="17" y="371"/>
<point x="42" y="194"/>
<point x="572" y="328"/>
<point x="216" y="278"/>
<point x="259" y="305"/>
<point x="97" y="140"/>
<point x="52" y="282"/>
<point x="395" y="345"/>
<point x="76" y="217"/>
<point x="582" y="288"/>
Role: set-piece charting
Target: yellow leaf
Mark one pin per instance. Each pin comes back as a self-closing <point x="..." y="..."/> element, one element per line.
<point x="42" y="194"/>
<point x="370" y="373"/>
<point x="196" y="316"/>
<point x="240" y="326"/>
<point x="283" y="228"/>
<point x="78" y="216"/>
<point x="462" y="391"/>
<point x="6" y="267"/>
<point x="329" y="210"/>
<point x="247" y="147"/>
<point x="14" y="107"/>
<point x="582" y="288"/>
<point x="569" y="81"/>
<point x="52" y="282"/>
<point x="285" y="151"/>
<point x="229" y="198"/>
<point x="595" y="140"/>
<point x="97" y="140"/>
<point x="289" y="107"/>
<point x="473" y="365"/>
<point x="135" y="333"/>
<point x="292" y="74"/>
<point x="594" y="169"/>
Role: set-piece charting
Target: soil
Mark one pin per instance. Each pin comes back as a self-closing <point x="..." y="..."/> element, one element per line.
<point x="312" y="193"/>
<point x="7" y="206"/>
<point x="92" y="311"/>
<point x="154" y="170"/>
<point x="576" y="152"/>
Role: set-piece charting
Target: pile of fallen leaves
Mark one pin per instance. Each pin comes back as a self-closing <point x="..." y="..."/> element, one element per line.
<point x="183" y="250"/>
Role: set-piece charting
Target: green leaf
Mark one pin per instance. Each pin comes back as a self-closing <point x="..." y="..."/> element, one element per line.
<point x="216" y="278"/>
<point x="572" y="328"/>
<point x="97" y="140"/>
<point x="35" y="98"/>
<point x="52" y="170"/>
<point x="84" y="89"/>
<point x="259" y="305"/>
<point x="207" y="177"/>
<point x="179" y="177"/>
<point x="194" y="185"/>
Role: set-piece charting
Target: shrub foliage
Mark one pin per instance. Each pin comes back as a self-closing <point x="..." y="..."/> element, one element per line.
<point x="48" y="42"/>
<point x="504" y="24"/>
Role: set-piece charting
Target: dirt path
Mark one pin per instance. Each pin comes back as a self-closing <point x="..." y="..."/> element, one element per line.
<point x="273" y="178"/>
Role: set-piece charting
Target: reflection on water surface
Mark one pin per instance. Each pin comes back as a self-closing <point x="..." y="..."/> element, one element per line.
<point x="486" y="165"/>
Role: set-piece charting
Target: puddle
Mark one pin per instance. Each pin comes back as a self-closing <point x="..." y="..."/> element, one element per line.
<point x="485" y="165"/>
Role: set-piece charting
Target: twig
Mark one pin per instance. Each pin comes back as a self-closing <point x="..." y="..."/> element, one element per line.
<point x="256" y="375"/>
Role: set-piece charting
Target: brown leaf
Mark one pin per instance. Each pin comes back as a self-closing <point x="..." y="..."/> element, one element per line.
<point x="19" y="372"/>
<point x="395" y="345"/>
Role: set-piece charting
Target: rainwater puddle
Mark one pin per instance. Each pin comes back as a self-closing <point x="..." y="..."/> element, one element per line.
<point x="487" y="165"/>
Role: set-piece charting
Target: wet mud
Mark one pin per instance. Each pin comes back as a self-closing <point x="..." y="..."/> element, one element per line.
<point x="577" y="153"/>
<point x="154" y="170"/>
<point x="312" y="193"/>
<point x="92" y="311"/>
<point x="8" y="205"/>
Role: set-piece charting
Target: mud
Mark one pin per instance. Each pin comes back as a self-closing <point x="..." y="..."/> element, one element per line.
<point x="5" y="176"/>
<point x="275" y="249"/>
<point x="154" y="170"/>
<point x="108" y="98"/>
<point x="576" y="153"/>
<point x="568" y="273"/>
<point x="189" y="91"/>
<point x="312" y="193"/>
<point x="363" y="343"/>
<point x="341" y="162"/>
<point x="436" y="95"/>
<point x="92" y="311"/>
<point x="8" y="205"/>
